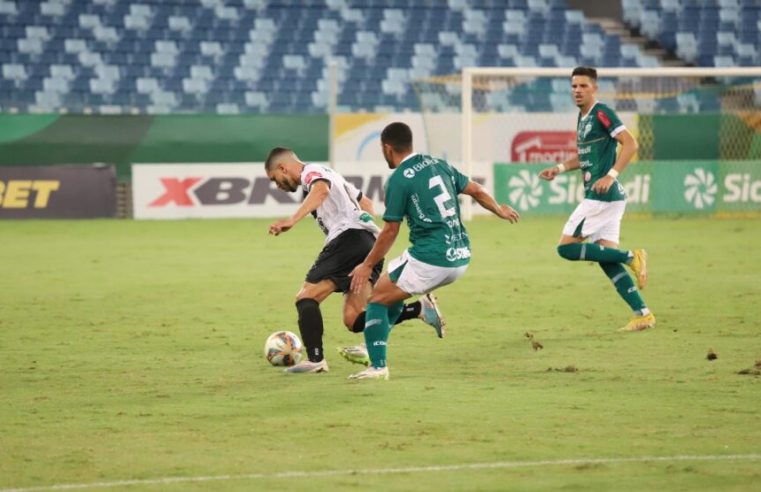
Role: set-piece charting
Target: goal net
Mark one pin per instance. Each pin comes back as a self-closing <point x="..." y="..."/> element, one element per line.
<point x="698" y="129"/>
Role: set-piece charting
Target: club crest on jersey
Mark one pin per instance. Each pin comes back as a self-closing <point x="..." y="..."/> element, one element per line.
<point x="311" y="177"/>
<point x="584" y="129"/>
<point x="409" y="173"/>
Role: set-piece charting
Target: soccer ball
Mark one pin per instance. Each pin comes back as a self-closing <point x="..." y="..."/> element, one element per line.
<point x="283" y="348"/>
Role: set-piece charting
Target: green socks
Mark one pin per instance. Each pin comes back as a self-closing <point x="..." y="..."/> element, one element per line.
<point x="377" y="327"/>
<point x="376" y="333"/>
<point x="592" y="252"/>
<point x="394" y="312"/>
<point x="610" y="260"/>
<point x="625" y="286"/>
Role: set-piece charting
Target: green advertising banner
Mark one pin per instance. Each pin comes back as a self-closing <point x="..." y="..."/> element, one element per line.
<point x="684" y="187"/>
<point x="122" y="140"/>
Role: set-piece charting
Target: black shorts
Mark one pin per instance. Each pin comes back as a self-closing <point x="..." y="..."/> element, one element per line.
<point x="339" y="257"/>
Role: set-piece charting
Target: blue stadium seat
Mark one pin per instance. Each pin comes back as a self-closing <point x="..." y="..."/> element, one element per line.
<point x="254" y="65"/>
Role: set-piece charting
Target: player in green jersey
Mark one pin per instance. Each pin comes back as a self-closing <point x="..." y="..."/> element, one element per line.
<point x="597" y="218"/>
<point x="424" y="190"/>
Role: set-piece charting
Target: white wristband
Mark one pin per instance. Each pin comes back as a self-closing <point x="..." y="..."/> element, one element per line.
<point x="613" y="173"/>
<point x="561" y="167"/>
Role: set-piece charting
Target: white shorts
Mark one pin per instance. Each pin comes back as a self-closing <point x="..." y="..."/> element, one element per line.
<point x="595" y="220"/>
<point x="416" y="277"/>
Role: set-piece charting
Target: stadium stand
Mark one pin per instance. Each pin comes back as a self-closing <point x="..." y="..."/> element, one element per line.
<point x="252" y="56"/>
<point x="721" y="33"/>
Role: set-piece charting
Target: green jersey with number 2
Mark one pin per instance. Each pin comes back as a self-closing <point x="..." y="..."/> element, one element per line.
<point x="424" y="190"/>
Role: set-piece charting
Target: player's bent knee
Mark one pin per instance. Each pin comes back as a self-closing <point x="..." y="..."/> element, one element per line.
<point x="384" y="298"/>
<point x="303" y="297"/>
<point x="568" y="251"/>
<point x="306" y="303"/>
<point x="349" y="319"/>
<point x="358" y="326"/>
<point x="376" y="298"/>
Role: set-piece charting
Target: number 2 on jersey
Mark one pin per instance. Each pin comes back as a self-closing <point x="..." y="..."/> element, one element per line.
<point x="442" y="197"/>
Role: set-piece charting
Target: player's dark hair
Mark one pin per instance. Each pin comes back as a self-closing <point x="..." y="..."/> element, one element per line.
<point x="273" y="155"/>
<point x="398" y="136"/>
<point x="586" y="71"/>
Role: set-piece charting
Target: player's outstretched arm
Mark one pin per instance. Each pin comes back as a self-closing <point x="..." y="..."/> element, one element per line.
<point x="361" y="273"/>
<point x="567" y="165"/>
<point x="484" y="198"/>
<point x="318" y="194"/>
<point x="367" y="205"/>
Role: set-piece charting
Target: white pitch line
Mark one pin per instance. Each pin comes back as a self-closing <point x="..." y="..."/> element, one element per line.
<point x="387" y="471"/>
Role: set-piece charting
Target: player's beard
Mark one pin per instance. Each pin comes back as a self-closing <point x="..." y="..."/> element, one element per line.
<point x="290" y="185"/>
<point x="388" y="159"/>
<point x="287" y="184"/>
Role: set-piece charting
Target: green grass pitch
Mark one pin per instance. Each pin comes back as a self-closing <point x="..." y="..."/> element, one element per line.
<point x="133" y="351"/>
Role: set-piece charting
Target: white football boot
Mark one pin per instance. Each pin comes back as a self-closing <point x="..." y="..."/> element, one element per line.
<point x="371" y="373"/>
<point x="430" y="314"/>
<point x="308" y="367"/>
<point x="356" y="354"/>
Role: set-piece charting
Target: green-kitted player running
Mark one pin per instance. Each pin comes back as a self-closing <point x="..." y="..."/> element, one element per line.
<point x="598" y="217"/>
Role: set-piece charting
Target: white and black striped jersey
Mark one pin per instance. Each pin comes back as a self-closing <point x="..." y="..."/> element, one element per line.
<point x="340" y="211"/>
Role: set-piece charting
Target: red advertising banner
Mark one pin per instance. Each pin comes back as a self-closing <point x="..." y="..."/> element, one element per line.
<point x="543" y="146"/>
<point x="57" y="192"/>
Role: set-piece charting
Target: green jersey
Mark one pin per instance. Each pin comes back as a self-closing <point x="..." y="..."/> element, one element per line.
<point x="596" y="147"/>
<point x="424" y="190"/>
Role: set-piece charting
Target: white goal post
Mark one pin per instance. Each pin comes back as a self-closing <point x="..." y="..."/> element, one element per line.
<point x="644" y="88"/>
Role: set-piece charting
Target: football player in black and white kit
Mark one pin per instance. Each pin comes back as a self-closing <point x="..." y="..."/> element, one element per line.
<point x="345" y="217"/>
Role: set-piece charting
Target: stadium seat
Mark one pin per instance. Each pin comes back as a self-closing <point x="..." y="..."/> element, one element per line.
<point x="47" y="102"/>
<point x="256" y="100"/>
<point x="163" y="56"/>
<point x="689" y="28"/>
<point x="64" y="72"/>
<point x="146" y="85"/>
<point x="686" y="46"/>
<point x="8" y="8"/>
<point x="688" y="103"/>
<point x="102" y="86"/>
<point x="227" y="108"/>
<point x="724" y="61"/>
<point x="52" y="9"/>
